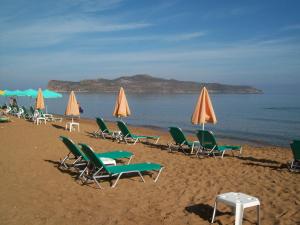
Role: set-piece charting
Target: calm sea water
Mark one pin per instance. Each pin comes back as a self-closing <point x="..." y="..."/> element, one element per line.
<point x="270" y="118"/>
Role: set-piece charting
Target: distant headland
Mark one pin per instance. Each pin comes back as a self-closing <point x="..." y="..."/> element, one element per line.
<point x="148" y="84"/>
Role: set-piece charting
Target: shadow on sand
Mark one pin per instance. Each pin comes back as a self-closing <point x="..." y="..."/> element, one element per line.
<point x="56" y="164"/>
<point x="58" y="126"/>
<point x="281" y="167"/>
<point x="205" y="212"/>
<point x="250" y="158"/>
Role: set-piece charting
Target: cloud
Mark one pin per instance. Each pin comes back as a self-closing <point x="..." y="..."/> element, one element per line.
<point x="49" y="32"/>
<point x="93" y="5"/>
<point x="164" y="38"/>
<point x="291" y="27"/>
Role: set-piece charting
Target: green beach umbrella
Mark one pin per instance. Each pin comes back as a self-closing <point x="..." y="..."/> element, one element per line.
<point x="9" y="93"/>
<point x="19" y="93"/>
<point x="51" y="94"/>
<point x="30" y="93"/>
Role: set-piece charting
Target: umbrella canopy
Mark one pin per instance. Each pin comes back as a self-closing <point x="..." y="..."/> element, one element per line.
<point x="2" y="92"/>
<point x="51" y="94"/>
<point x="72" y="107"/>
<point x="121" y="106"/>
<point x="30" y="93"/>
<point x="46" y="93"/>
<point x="13" y="93"/>
<point x="204" y="112"/>
<point x="40" y="100"/>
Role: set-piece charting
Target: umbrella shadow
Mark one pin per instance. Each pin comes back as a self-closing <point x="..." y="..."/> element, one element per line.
<point x="58" y="126"/>
<point x="153" y="145"/>
<point x="250" y="158"/>
<point x="281" y="167"/>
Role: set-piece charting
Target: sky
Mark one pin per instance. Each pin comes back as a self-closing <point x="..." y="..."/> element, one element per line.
<point x="255" y="42"/>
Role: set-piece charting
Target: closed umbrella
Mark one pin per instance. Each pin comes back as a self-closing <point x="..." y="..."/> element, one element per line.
<point x="121" y="106"/>
<point x="39" y="104"/>
<point x="72" y="107"/>
<point x="204" y="112"/>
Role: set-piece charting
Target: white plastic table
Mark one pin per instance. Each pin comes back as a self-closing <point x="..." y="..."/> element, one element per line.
<point x="71" y="125"/>
<point x="239" y="201"/>
<point x="39" y="120"/>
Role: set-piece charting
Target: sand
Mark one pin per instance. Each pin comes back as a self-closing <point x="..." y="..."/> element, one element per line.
<point x="34" y="191"/>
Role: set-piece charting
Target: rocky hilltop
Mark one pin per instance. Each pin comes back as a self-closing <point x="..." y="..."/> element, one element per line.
<point x="147" y="84"/>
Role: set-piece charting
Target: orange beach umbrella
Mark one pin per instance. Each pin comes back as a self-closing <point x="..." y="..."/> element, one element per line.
<point x="72" y="107"/>
<point x="121" y="106"/>
<point x="204" y="112"/>
<point x="40" y="100"/>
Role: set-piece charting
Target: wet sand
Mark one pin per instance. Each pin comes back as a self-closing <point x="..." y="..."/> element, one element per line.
<point x="34" y="191"/>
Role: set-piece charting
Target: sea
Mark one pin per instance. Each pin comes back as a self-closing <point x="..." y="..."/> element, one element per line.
<point x="272" y="118"/>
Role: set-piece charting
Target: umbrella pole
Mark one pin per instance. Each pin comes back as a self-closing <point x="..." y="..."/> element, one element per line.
<point x="202" y="126"/>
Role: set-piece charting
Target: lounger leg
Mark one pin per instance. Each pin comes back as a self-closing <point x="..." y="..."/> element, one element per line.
<point x="95" y="177"/>
<point x="114" y="185"/>
<point x="170" y="147"/>
<point x="158" y="174"/>
<point x="83" y="171"/>
<point x="136" y="140"/>
<point x="223" y="154"/>
<point x="141" y="176"/>
<point x="214" y="213"/>
<point x="130" y="159"/>
<point x="157" y="140"/>
<point x="63" y="161"/>
<point x="79" y="158"/>
<point x="97" y="183"/>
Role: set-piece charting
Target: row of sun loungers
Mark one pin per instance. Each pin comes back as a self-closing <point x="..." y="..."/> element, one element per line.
<point x="36" y="116"/>
<point x="206" y="143"/>
<point x="123" y="135"/>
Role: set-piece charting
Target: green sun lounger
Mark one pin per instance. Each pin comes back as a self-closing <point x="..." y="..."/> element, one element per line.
<point x="4" y="119"/>
<point x="103" y="129"/>
<point x="79" y="158"/>
<point x="294" y="165"/>
<point x="128" y="137"/>
<point x="104" y="171"/>
<point x="208" y="144"/>
<point x="27" y="114"/>
<point x="180" y="140"/>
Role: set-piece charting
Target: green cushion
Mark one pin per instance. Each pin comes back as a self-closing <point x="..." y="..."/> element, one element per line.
<point x="227" y="147"/>
<point x="141" y="167"/>
<point x="115" y="154"/>
<point x="142" y="136"/>
<point x="4" y="119"/>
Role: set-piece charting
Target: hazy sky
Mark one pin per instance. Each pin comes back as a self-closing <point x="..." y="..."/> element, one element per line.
<point x="237" y="42"/>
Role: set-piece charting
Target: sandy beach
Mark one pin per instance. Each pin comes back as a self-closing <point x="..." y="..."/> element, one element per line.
<point x="34" y="191"/>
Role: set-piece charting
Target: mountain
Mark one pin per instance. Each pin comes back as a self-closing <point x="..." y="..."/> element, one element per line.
<point x="147" y="84"/>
